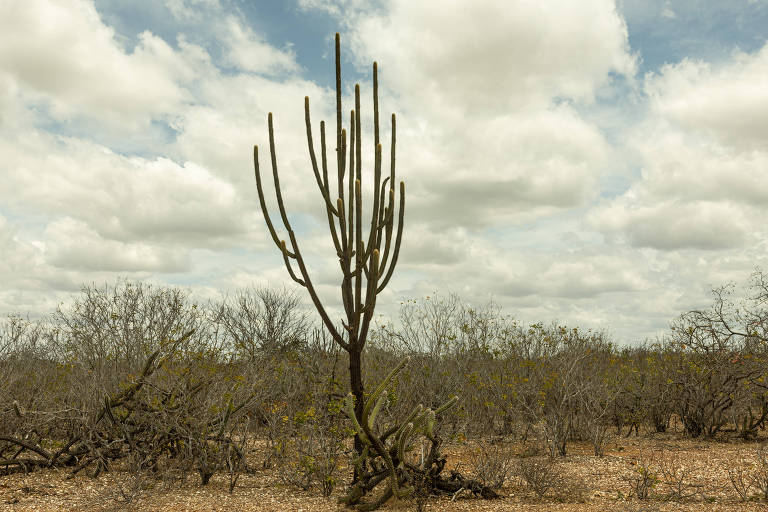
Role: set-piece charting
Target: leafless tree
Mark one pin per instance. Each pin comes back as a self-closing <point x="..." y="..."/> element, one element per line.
<point x="721" y="360"/>
<point x="263" y="320"/>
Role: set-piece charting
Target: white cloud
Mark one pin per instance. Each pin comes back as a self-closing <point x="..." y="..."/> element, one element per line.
<point x="17" y="255"/>
<point x="30" y="284"/>
<point x="219" y="133"/>
<point x="337" y="7"/>
<point x="702" y="148"/>
<point x="425" y="249"/>
<point x="98" y="212"/>
<point x="675" y="225"/>
<point x="191" y="10"/>
<point x="68" y="61"/>
<point x="505" y="168"/>
<point x="72" y="244"/>
<point x="122" y="198"/>
<point x="512" y="55"/>
<point x="597" y="287"/>
<point x="667" y="12"/>
<point x="249" y="52"/>
<point x="728" y="101"/>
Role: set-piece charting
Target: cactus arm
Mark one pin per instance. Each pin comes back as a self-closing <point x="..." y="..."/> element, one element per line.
<point x="275" y="175"/>
<point x="429" y="426"/>
<point x="322" y="184"/>
<point x="313" y="294"/>
<point x="262" y="202"/>
<point x="398" y="238"/>
<point x="373" y="240"/>
<point x="375" y="412"/>
<point x="358" y="460"/>
<point x="359" y="257"/>
<point x="342" y="161"/>
<point x="360" y="252"/>
<point x="402" y="441"/>
<point x="351" y="184"/>
<point x="391" y="203"/>
<point x="448" y="404"/>
<point x="381" y="387"/>
<point x="390" y="431"/>
<point x="372" y="237"/>
<point x="370" y="295"/>
<point x="291" y="273"/>
<point x="410" y="419"/>
<point x="329" y="209"/>
<point x="349" y="409"/>
<point x="340" y="146"/>
<point x="366" y="424"/>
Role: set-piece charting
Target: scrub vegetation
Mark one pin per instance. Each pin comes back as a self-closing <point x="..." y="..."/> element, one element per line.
<point x="139" y="380"/>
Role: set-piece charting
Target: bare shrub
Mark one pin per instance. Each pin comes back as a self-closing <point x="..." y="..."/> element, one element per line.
<point x="597" y="400"/>
<point x="558" y="368"/>
<point x="121" y="380"/>
<point x="717" y="373"/>
<point x="750" y="481"/>
<point x="740" y="482"/>
<point x="24" y="371"/>
<point x="643" y="479"/>
<point x="675" y="480"/>
<point x="493" y="464"/>
<point x="751" y="414"/>
<point x="540" y="474"/>
<point x="594" y="423"/>
<point x="113" y="376"/>
<point x="448" y="342"/>
<point x="313" y="452"/>
<point x="543" y="475"/>
<point x="759" y="478"/>
<point x="263" y="321"/>
<point x="111" y="330"/>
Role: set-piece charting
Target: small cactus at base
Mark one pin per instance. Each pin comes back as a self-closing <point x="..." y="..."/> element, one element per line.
<point x="384" y="458"/>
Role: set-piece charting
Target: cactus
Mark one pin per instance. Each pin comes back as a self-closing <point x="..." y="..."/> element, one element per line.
<point x="367" y="262"/>
<point x="384" y="458"/>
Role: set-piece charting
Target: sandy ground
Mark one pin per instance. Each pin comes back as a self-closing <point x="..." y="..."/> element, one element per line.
<point x="590" y="484"/>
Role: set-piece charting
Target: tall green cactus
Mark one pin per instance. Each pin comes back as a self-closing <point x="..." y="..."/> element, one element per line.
<point x="364" y="265"/>
<point x="367" y="262"/>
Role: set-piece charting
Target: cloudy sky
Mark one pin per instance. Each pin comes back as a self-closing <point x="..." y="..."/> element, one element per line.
<point x="599" y="163"/>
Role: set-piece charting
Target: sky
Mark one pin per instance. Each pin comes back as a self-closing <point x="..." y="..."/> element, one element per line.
<point x="599" y="163"/>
